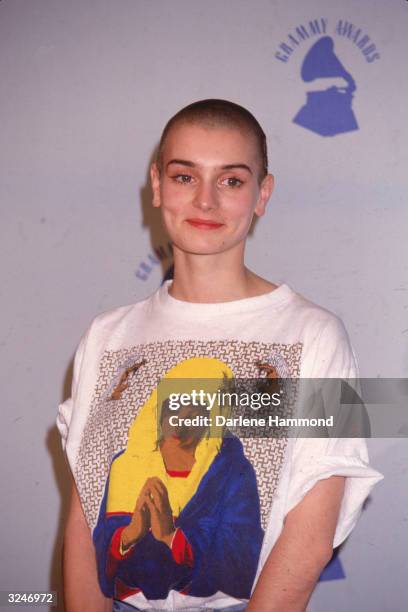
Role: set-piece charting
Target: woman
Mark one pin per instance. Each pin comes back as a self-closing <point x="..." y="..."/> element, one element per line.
<point x="210" y="179"/>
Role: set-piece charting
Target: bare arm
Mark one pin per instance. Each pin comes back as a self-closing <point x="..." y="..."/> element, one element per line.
<point x="81" y="588"/>
<point x="302" y="550"/>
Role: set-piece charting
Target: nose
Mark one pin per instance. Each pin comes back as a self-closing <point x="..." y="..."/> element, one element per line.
<point x="206" y="197"/>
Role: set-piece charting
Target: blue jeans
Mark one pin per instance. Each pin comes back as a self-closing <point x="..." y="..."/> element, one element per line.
<point x="120" y="606"/>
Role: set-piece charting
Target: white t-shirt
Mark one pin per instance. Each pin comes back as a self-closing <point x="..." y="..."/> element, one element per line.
<point x="229" y="509"/>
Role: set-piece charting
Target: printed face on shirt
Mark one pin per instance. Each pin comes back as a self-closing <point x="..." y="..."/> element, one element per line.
<point x="181" y="430"/>
<point x="208" y="187"/>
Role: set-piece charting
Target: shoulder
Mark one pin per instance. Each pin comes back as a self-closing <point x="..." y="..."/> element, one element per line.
<point x="327" y="350"/>
<point x="310" y="310"/>
<point x="311" y="319"/>
<point x="109" y="320"/>
<point x="111" y="328"/>
<point x="112" y="317"/>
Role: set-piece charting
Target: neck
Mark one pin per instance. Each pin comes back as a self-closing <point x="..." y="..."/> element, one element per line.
<point x="176" y="457"/>
<point x="220" y="277"/>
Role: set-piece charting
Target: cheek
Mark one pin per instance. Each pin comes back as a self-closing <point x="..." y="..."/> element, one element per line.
<point x="174" y="205"/>
<point x="174" y="199"/>
<point x="241" y="210"/>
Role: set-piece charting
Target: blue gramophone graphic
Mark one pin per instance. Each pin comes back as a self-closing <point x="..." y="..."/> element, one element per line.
<point x="327" y="112"/>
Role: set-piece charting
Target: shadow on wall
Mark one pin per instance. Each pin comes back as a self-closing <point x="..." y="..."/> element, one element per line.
<point x="151" y="219"/>
<point x="63" y="481"/>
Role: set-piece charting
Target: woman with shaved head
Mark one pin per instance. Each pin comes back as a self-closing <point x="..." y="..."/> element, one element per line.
<point x="167" y="519"/>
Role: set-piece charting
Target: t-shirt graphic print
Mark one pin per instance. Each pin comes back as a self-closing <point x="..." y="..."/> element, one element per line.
<point x="219" y="507"/>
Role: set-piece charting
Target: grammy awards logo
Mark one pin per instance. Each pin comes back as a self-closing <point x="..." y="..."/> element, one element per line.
<point x="327" y="111"/>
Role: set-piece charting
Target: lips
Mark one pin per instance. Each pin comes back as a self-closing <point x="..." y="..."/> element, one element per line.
<point x="204" y="223"/>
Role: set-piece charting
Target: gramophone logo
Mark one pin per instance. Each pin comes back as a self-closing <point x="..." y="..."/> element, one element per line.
<point x="327" y="111"/>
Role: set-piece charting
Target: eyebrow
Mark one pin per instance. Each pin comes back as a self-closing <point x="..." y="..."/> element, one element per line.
<point x="190" y="164"/>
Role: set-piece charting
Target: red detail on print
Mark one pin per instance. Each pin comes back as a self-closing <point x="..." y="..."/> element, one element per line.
<point x="181" y="549"/>
<point x="178" y="473"/>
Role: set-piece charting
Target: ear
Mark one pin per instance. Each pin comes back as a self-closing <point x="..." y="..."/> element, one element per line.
<point x="155" y="181"/>
<point x="265" y="192"/>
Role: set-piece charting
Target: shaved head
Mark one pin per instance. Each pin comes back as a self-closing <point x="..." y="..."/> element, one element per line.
<point x="214" y="113"/>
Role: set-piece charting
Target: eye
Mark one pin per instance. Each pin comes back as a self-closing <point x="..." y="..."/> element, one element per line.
<point x="232" y="181"/>
<point x="183" y="178"/>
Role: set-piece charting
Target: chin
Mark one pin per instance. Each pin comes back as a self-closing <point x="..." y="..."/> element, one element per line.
<point x="202" y="249"/>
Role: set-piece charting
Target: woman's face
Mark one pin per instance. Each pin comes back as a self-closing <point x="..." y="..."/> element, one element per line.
<point x="208" y="187"/>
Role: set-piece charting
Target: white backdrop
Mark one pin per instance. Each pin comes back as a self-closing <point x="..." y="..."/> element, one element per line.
<point x="86" y="87"/>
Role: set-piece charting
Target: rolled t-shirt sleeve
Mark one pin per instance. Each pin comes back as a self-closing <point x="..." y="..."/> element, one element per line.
<point x="66" y="408"/>
<point x="315" y="459"/>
